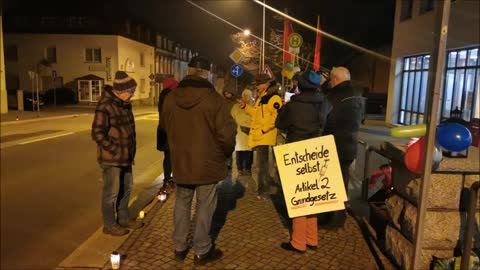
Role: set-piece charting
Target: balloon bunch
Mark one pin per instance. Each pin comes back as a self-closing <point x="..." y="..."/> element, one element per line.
<point x="289" y="70"/>
<point x="453" y="137"/>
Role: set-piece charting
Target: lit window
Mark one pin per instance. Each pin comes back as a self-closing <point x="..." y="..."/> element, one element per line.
<point x="461" y="82"/>
<point x="413" y="89"/>
<point x="93" y="55"/>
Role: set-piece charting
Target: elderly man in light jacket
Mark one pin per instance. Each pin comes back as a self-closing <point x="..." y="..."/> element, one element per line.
<point x="244" y="154"/>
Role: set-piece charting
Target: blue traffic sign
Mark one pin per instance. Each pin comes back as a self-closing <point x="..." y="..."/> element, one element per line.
<point x="236" y="70"/>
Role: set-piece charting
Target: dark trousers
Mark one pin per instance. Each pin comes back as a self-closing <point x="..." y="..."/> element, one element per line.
<point x="263" y="166"/>
<point x="167" y="165"/>
<point x="244" y="160"/>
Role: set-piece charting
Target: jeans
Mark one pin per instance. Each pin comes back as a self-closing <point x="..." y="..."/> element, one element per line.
<point x="205" y="207"/>
<point x="263" y="166"/>
<point x="244" y="160"/>
<point x="117" y="185"/>
<point x="167" y="165"/>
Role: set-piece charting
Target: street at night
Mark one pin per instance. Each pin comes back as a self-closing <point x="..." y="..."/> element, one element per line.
<point x="240" y="134"/>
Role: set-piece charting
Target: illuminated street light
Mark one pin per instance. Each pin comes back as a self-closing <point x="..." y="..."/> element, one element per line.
<point x="246" y="32"/>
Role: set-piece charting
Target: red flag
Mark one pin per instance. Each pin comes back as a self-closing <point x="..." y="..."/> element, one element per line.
<point x="287" y="31"/>
<point x="318" y="45"/>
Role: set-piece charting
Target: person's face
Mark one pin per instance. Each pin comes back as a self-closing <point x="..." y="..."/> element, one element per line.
<point x="246" y="98"/>
<point x="125" y="96"/>
<point x="228" y="95"/>
<point x="333" y="80"/>
<point x="295" y="83"/>
<point x="263" y="87"/>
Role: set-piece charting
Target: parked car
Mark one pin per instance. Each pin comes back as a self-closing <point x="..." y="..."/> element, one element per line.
<point x="29" y="99"/>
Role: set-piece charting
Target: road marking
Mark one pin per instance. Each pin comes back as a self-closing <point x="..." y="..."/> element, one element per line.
<point x="47" y="138"/>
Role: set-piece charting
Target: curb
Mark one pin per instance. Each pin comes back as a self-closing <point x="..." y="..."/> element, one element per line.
<point x="8" y="123"/>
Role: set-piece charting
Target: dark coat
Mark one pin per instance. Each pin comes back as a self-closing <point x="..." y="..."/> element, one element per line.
<point x="344" y="119"/>
<point x="200" y="130"/>
<point x="113" y="129"/>
<point x="162" y="141"/>
<point x="303" y="117"/>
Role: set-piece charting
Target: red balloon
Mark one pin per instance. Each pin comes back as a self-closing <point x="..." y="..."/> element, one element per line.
<point x="415" y="156"/>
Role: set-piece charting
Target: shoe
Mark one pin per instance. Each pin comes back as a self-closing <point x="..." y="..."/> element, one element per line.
<point x="170" y="186"/>
<point x="262" y="198"/>
<point x="312" y="247"/>
<point x="181" y="255"/>
<point x="115" y="230"/>
<point x="288" y="246"/>
<point x="131" y="224"/>
<point x="211" y="255"/>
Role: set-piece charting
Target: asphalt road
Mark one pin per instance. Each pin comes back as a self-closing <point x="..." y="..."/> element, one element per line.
<point x="51" y="188"/>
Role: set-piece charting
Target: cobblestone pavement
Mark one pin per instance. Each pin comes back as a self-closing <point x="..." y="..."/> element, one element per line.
<point x="249" y="233"/>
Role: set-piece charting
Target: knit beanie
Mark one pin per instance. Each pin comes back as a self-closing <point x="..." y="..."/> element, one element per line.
<point x="123" y="82"/>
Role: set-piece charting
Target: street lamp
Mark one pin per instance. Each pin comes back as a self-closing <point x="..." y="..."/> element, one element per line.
<point x="246" y="32"/>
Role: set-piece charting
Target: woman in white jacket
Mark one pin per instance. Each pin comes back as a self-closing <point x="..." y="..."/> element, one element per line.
<point x="244" y="154"/>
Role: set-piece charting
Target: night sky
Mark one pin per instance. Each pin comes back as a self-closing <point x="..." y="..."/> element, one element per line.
<point x="367" y="22"/>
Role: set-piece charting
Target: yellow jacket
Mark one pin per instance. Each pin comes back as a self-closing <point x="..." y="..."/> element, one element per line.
<point x="264" y="114"/>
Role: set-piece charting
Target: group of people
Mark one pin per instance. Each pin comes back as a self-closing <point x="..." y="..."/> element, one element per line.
<point x="199" y="130"/>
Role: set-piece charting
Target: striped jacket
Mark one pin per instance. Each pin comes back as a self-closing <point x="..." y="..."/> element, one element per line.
<point x="113" y="129"/>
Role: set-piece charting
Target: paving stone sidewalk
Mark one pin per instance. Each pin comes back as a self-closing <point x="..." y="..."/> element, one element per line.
<point x="249" y="233"/>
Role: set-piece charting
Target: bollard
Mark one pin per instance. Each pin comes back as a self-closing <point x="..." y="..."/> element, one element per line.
<point x="20" y="106"/>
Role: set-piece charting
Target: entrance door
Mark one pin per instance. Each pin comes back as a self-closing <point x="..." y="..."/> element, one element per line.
<point x="84" y="90"/>
<point x="89" y="90"/>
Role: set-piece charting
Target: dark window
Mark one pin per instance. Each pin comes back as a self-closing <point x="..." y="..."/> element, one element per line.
<point x="142" y="60"/>
<point x="460" y="89"/>
<point x="11" y="53"/>
<point x="51" y="54"/>
<point x="426" y="5"/>
<point x="413" y="89"/>
<point x="406" y="11"/>
<point x="93" y="55"/>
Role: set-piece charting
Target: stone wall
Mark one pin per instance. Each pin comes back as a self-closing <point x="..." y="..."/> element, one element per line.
<point x="444" y="220"/>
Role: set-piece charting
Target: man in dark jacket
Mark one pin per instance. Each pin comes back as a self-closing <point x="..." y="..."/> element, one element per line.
<point x="201" y="135"/>
<point x="303" y="118"/>
<point x="113" y="130"/>
<point x="343" y="122"/>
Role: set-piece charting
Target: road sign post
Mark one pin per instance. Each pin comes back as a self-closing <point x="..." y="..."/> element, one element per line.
<point x="236" y="72"/>
<point x="54" y="77"/>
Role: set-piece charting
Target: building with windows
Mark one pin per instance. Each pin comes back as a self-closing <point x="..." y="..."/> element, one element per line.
<point x="412" y="45"/>
<point x="83" y="53"/>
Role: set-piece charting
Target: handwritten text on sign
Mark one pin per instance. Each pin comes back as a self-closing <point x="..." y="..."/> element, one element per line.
<point x="311" y="176"/>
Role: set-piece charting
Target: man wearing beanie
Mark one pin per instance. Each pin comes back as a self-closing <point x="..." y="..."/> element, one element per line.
<point x="201" y="135"/>
<point x="304" y="118"/>
<point x="263" y="133"/>
<point x="113" y="130"/>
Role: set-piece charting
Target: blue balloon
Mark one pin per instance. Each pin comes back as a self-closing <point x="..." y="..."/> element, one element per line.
<point x="453" y="137"/>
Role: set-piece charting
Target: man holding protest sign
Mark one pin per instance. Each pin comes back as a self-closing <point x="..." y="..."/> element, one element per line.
<point x="303" y="118"/>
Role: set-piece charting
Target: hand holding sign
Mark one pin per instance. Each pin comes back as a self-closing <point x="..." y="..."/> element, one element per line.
<point x="311" y="176"/>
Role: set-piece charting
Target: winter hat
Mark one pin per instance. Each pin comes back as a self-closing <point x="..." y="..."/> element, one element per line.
<point x="309" y="79"/>
<point x="262" y="78"/>
<point x="123" y="82"/>
<point x="200" y="62"/>
<point x="170" y="83"/>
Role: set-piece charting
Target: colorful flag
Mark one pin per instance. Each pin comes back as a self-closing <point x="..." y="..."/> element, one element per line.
<point x="318" y="45"/>
<point x="287" y="31"/>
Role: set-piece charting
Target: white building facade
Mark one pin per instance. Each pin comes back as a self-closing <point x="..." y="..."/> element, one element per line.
<point x="82" y="62"/>
<point x="412" y="45"/>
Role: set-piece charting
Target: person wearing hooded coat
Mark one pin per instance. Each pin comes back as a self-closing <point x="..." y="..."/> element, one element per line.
<point x="304" y="118"/>
<point x="201" y="135"/>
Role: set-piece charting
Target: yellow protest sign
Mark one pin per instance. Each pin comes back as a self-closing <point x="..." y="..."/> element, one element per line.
<point x="311" y="176"/>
